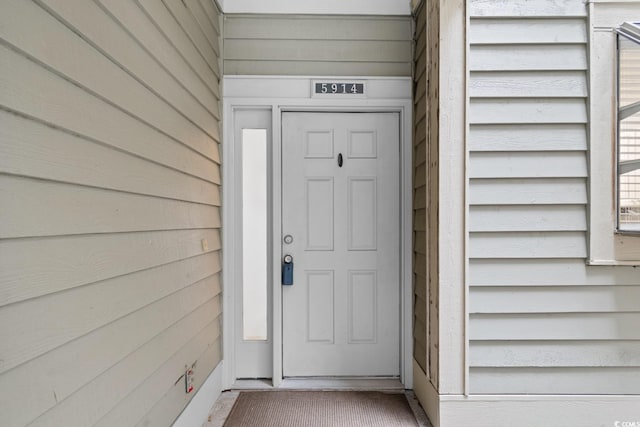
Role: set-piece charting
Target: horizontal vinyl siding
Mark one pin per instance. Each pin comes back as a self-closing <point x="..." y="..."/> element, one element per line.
<point x="317" y="45"/>
<point x="420" y="270"/>
<point x="541" y="321"/>
<point x="432" y="184"/>
<point x="425" y="190"/>
<point x="109" y="184"/>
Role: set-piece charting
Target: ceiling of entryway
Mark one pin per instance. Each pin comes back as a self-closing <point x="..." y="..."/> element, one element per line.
<point x="346" y="7"/>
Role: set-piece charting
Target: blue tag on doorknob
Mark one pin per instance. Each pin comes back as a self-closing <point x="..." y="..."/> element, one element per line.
<point x="287" y="273"/>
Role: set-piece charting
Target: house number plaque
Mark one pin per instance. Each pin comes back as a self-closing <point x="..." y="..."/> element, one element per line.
<point x="338" y="88"/>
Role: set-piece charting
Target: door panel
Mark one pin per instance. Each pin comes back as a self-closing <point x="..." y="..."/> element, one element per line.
<point x="362" y="227"/>
<point x="341" y="315"/>
<point x="318" y="213"/>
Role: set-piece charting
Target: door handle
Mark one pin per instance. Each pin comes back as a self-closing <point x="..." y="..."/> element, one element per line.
<point x="287" y="270"/>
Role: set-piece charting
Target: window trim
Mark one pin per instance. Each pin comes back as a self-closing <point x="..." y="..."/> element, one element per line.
<point x="606" y="246"/>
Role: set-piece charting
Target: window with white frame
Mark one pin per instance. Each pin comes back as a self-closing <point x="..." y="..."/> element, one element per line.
<point x="628" y="135"/>
<point x="613" y="58"/>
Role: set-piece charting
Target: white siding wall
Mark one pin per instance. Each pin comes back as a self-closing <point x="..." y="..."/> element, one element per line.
<point x="541" y="321"/>
<point x="109" y="184"/>
<point x="317" y="45"/>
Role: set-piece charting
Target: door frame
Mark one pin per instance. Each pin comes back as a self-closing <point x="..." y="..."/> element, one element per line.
<point x="293" y="94"/>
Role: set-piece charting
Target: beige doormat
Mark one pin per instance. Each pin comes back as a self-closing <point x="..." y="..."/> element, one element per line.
<point x="320" y="409"/>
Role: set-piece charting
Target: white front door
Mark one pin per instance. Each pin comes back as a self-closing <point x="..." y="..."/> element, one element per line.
<point x="341" y="199"/>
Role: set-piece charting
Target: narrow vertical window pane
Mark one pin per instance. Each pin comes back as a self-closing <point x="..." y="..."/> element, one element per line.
<point x="254" y="234"/>
<point x="629" y="136"/>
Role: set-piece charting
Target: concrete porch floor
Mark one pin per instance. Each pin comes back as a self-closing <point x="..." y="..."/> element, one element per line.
<point x="222" y="407"/>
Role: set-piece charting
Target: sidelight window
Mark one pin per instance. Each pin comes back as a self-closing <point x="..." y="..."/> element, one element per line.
<point x="254" y="234"/>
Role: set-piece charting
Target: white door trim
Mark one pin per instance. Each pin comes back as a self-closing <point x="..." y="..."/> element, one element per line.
<point x="280" y="94"/>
